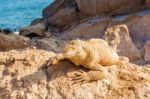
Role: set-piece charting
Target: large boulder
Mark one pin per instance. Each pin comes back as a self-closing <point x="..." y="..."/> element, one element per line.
<point x="55" y="6"/>
<point x="33" y="30"/>
<point x="126" y="81"/>
<point x="24" y="75"/>
<point x="138" y="25"/>
<point x="92" y="28"/>
<point x="95" y="7"/>
<point x="118" y="38"/>
<point x="63" y="17"/>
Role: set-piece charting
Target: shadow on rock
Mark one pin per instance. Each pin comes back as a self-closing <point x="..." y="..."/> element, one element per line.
<point x="64" y="68"/>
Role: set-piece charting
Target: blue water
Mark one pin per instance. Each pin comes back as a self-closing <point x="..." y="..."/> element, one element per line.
<point x="15" y="14"/>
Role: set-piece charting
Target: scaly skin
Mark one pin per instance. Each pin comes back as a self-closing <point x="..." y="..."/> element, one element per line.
<point x="92" y="54"/>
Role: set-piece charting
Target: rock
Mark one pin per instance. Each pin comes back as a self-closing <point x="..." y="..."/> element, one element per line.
<point x="10" y="42"/>
<point x="113" y="7"/>
<point x="33" y="30"/>
<point x="92" y="28"/>
<point x="37" y="21"/>
<point x="24" y="73"/>
<point x="6" y="31"/>
<point x="28" y="77"/>
<point x="63" y="17"/>
<point x="147" y="51"/>
<point x="55" y="6"/>
<point x="139" y="27"/>
<point x="147" y="3"/>
<point x="48" y="44"/>
<point x="24" y="77"/>
<point x="127" y="81"/>
<point x="118" y="38"/>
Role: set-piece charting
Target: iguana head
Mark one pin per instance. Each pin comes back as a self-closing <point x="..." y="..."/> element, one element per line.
<point x="74" y="47"/>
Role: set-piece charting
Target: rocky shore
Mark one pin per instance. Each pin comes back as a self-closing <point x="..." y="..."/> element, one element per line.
<point x="124" y="24"/>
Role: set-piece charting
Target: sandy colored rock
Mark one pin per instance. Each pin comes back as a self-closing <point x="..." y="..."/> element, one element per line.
<point x="12" y="41"/>
<point x="147" y="51"/>
<point x="33" y="30"/>
<point x="23" y="75"/>
<point x="118" y="37"/>
<point x="27" y="77"/>
<point x="126" y="81"/>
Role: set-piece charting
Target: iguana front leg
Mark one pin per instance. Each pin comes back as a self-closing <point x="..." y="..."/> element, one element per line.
<point x="54" y="60"/>
<point x="97" y="72"/>
<point x="61" y="56"/>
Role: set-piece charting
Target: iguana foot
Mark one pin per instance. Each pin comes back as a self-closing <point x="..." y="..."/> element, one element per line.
<point x="52" y="61"/>
<point x="81" y="77"/>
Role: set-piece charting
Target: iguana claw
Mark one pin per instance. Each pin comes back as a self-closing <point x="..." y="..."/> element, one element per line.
<point x="81" y="77"/>
<point x="53" y="60"/>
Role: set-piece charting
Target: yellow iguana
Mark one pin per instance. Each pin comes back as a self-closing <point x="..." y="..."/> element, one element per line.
<point x="92" y="54"/>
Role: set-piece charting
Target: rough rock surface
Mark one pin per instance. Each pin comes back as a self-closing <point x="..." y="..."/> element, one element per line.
<point x="48" y="44"/>
<point x="37" y="20"/>
<point x="90" y="28"/>
<point x="138" y="25"/>
<point x="147" y="3"/>
<point x="12" y="41"/>
<point x="118" y="38"/>
<point x="93" y="7"/>
<point x="79" y="9"/>
<point x="64" y="17"/>
<point x="55" y="6"/>
<point x="24" y="75"/>
<point x="147" y="51"/>
<point x="127" y="81"/>
<point x="37" y="29"/>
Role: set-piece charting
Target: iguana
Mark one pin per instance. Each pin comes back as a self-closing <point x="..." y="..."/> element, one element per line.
<point x="92" y="54"/>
